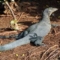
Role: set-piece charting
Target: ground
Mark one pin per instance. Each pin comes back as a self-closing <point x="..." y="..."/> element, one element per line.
<point x="32" y="13"/>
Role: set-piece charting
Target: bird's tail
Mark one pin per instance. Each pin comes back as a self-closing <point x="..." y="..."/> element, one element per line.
<point x="14" y="44"/>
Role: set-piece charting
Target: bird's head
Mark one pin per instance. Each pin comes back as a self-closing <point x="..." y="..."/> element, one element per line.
<point x="49" y="11"/>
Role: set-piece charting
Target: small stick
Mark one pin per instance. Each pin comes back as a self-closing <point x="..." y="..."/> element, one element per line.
<point x="51" y="54"/>
<point x="48" y="51"/>
<point x="10" y="10"/>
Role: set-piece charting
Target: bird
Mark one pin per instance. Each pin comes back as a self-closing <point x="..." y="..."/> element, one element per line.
<point x="35" y="33"/>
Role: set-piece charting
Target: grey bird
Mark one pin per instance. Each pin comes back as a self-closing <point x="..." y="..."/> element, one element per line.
<point x="34" y="33"/>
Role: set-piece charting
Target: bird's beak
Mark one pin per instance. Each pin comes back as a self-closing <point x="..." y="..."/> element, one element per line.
<point x="54" y="11"/>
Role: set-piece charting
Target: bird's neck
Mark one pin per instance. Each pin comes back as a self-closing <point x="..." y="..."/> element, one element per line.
<point x="46" y="18"/>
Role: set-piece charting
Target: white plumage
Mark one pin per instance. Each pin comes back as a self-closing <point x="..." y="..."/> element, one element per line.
<point x="34" y="33"/>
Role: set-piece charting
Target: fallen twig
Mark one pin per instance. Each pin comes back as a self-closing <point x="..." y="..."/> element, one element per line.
<point x="52" y="54"/>
<point x="49" y="51"/>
